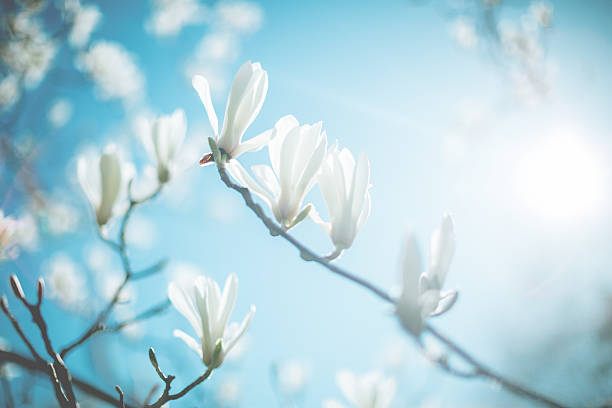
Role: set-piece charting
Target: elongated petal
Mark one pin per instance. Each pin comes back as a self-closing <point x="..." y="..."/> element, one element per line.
<point x="228" y="300"/>
<point x="201" y="86"/>
<point x="238" y="172"/>
<point x="243" y="327"/>
<point x="411" y="269"/>
<point x="361" y="183"/>
<point x="282" y="127"/>
<point x="385" y="392"/>
<point x="89" y="179"/>
<point x="201" y="295"/>
<point x="189" y="341"/>
<point x="110" y="175"/>
<point x="178" y="128"/>
<point x="254" y="144"/>
<point x="316" y="218"/>
<point x="442" y="249"/>
<point x="308" y="176"/>
<point x="184" y="304"/>
<point x="266" y="177"/>
<point x="447" y="300"/>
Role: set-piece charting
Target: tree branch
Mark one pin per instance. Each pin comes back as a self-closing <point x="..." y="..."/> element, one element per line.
<point x="480" y="371"/>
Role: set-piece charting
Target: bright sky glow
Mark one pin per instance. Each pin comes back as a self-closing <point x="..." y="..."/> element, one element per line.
<point x="561" y="178"/>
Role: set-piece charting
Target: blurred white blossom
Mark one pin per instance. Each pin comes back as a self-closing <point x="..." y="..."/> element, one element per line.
<point x="27" y="236"/>
<point x="141" y="231"/>
<point x="108" y="282"/>
<point x="292" y="376"/>
<point x="61" y="217"/>
<point x="464" y="32"/>
<point x="244" y="103"/>
<point x="9" y="91"/>
<point x="65" y="282"/>
<point x="170" y="16"/>
<point x="102" y="181"/>
<point x="60" y="112"/>
<point x="422" y="294"/>
<point x="344" y="186"/>
<point x="296" y="153"/>
<point x="8" y="370"/>
<point x="163" y="140"/>
<point x="208" y="311"/>
<point x="239" y="15"/>
<point x="85" y="19"/>
<point x="29" y="51"/>
<point x="370" y="390"/>
<point x="228" y="393"/>
<point x="114" y="71"/>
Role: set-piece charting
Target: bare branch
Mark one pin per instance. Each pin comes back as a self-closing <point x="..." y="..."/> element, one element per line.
<point x="479" y="371"/>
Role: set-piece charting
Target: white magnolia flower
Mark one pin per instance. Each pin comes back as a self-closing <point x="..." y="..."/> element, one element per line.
<point x="244" y="103"/>
<point x="371" y="390"/>
<point x="113" y="70"/>
<point x="344" y="186"/>
<point x="101" y="180"/>
<point x="422" y="294"/>
<point x="296" y="154"/>
<point x="208" y="311"/>
<point x="164" y="141"/>
<point x="9" y="236"/>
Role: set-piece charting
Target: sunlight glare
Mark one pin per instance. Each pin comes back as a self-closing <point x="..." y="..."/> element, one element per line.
<point x="560" y="178"/>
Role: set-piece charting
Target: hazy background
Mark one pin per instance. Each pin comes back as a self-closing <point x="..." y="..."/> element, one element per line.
<point x="480" y="110"/>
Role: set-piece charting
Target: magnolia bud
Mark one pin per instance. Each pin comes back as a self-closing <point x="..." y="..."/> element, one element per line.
<point x="16" y="286"/>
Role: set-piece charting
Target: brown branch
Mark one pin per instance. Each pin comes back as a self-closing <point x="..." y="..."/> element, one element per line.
<point x="121" y="249"/>
<point x="92" y="390"/>
<point x="480" y="371"/>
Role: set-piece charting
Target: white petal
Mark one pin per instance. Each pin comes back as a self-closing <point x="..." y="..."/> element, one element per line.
<point x="184" y="304"/>
<point x="385" y="392"/>
<point x="228" y="300"/>
<point x="110" y="175"/>
<point x="442" y="249"/>
<point x="266" y="177"/>
<point x="361" y="183"/>
<point x="238" y="172"/>
<point x="243" y="327"/>
<point x="89" y="178"/>
<point x="203" y="89"/>
<point x="282" y="127"/>
<point x="316" y="218"/>
<point x="447" y="300"/>
<point x="253" y="145"/>
<point x="189" y="341"/>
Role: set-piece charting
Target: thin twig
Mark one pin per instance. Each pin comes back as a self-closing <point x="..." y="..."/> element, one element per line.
<point x="88" y="388"/>
<point x="308" y="255"/>
<point x="121" y="249"/>
<point x="121" y="400"/>
<point x="153" y="311"/>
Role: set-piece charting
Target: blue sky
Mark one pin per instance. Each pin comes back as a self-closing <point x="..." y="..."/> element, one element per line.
<point x="444" y="130"/>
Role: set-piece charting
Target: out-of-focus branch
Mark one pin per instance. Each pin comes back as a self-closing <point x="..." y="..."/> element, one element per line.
<point x="58" y="372"/>
<point x="479" y="370"/>
<point x="92" y="390"/>
<point x="153" y="311"/>
<point x="167" y="379"/>
<point x="121" y="249"/>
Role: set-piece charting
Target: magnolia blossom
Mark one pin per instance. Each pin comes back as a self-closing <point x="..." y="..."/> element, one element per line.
<point x="344" y="186"/>
<point x="65" y="282"/>
<point x="245" y="100"/>
<point x="164" y="141"/>
<point x="101" y="180"/>
<point x="9" y="236"/>
<point x="371" y="390"/>
<point x="208" y="312"/>
<point x="422" y="294"/>
<point x="170" y="16"/>
<point x="113" y="70"/>
<point x="296" y="154"/>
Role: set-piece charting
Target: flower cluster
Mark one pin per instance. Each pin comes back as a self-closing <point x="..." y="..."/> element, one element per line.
<point x="299" y="157"/>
